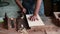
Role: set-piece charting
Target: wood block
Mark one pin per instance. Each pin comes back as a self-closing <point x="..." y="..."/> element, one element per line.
<point x="56" y="14"/>
<point x="56" y="20"/>
<point x="35" y="23"/>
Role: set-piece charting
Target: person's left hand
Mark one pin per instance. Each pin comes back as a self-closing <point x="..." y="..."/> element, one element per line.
<point x="33" y="18"/>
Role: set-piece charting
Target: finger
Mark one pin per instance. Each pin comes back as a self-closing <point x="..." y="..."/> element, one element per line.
<point x="29" y="18"/>
<point x="33" y="19"/>
<point x="24" y="11"/>
<point x="37" y="19"/>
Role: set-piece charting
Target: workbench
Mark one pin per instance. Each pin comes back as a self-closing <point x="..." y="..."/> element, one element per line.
<point x="46" y="29"/>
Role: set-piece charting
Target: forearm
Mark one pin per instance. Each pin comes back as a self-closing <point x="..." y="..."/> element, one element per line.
<point x="19" y="4"/>
<point x="37" y="6"/>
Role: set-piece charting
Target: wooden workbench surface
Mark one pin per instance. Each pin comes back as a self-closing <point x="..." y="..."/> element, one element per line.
<point x="47" y="29"/>
<point x="35" y="30"/>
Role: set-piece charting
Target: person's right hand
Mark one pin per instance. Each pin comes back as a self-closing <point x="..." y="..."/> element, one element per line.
<point x="23" y="10"/>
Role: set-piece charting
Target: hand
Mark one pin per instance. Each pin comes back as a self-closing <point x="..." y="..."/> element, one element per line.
<point x="23" y="10"/>
<point x="33" y="18"/>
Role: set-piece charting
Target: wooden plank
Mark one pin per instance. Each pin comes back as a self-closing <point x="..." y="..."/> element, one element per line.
<point x="38" y="22"/>
<point x="56" y="15"/>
